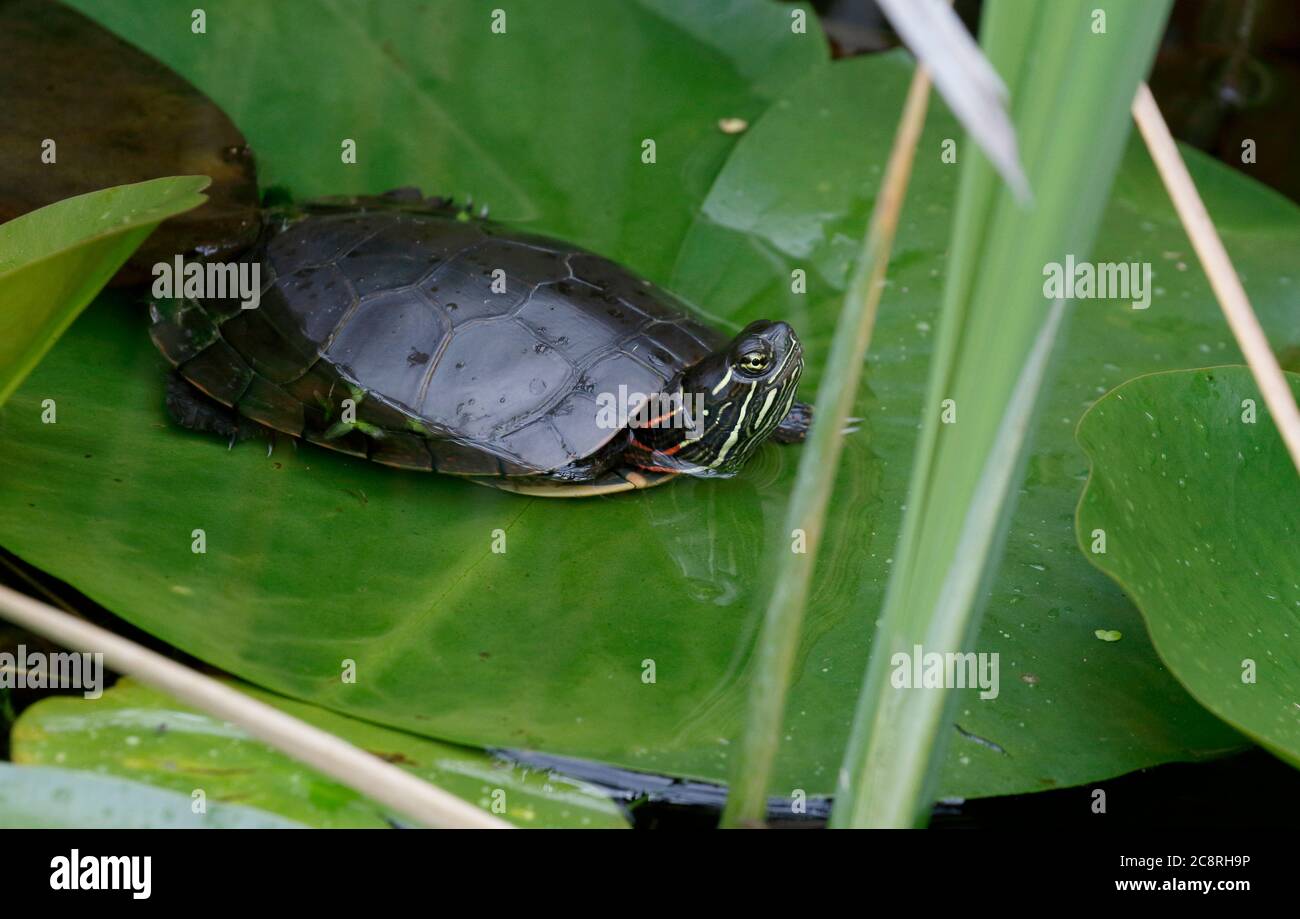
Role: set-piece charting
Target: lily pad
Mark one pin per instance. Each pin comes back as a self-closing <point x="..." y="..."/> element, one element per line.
<point x="1192" y="508"/>
<point x="314" y="559"/>
<point x="54" y="260"/>
<point x="44" y="797"/>
<point x="139" y="733"/>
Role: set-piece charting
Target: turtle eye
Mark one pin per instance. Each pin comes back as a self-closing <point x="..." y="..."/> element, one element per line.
<point x="755" y="361"/>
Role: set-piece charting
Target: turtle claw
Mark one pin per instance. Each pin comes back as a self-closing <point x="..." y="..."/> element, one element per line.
<point x="851" y="426"/>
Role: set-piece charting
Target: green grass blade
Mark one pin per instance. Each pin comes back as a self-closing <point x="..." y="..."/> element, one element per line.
<point x="1071" y="87"/>
<point x="747" y="798"/>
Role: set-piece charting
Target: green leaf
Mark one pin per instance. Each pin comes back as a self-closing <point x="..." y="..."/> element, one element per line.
<point x="139" y="733"/>
<point x="45" y="797"/>
<point x="315" y="558"/>
<point x="54" y="260"/>
<point x="1194" y="500"/>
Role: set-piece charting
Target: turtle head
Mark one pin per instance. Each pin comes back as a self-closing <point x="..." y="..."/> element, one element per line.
<point x="738" y="395"/>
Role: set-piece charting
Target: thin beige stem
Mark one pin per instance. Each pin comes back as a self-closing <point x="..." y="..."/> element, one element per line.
<point x="775" y="655"/>
<point x="1218" y="267"/>
<point x="340" y="760"/>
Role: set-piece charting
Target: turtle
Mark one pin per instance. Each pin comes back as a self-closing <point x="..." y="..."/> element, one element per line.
<point x="419" y="334"/>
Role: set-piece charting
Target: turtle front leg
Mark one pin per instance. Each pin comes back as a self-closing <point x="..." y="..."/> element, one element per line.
<point x="793" y="428"/>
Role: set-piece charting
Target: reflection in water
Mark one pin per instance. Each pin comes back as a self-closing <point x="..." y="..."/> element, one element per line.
<point x="725" y="539"/>
<point x="710" y="529"/>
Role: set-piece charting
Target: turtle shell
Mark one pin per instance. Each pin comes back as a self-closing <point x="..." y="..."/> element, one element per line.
<point x="464" y="347"/>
